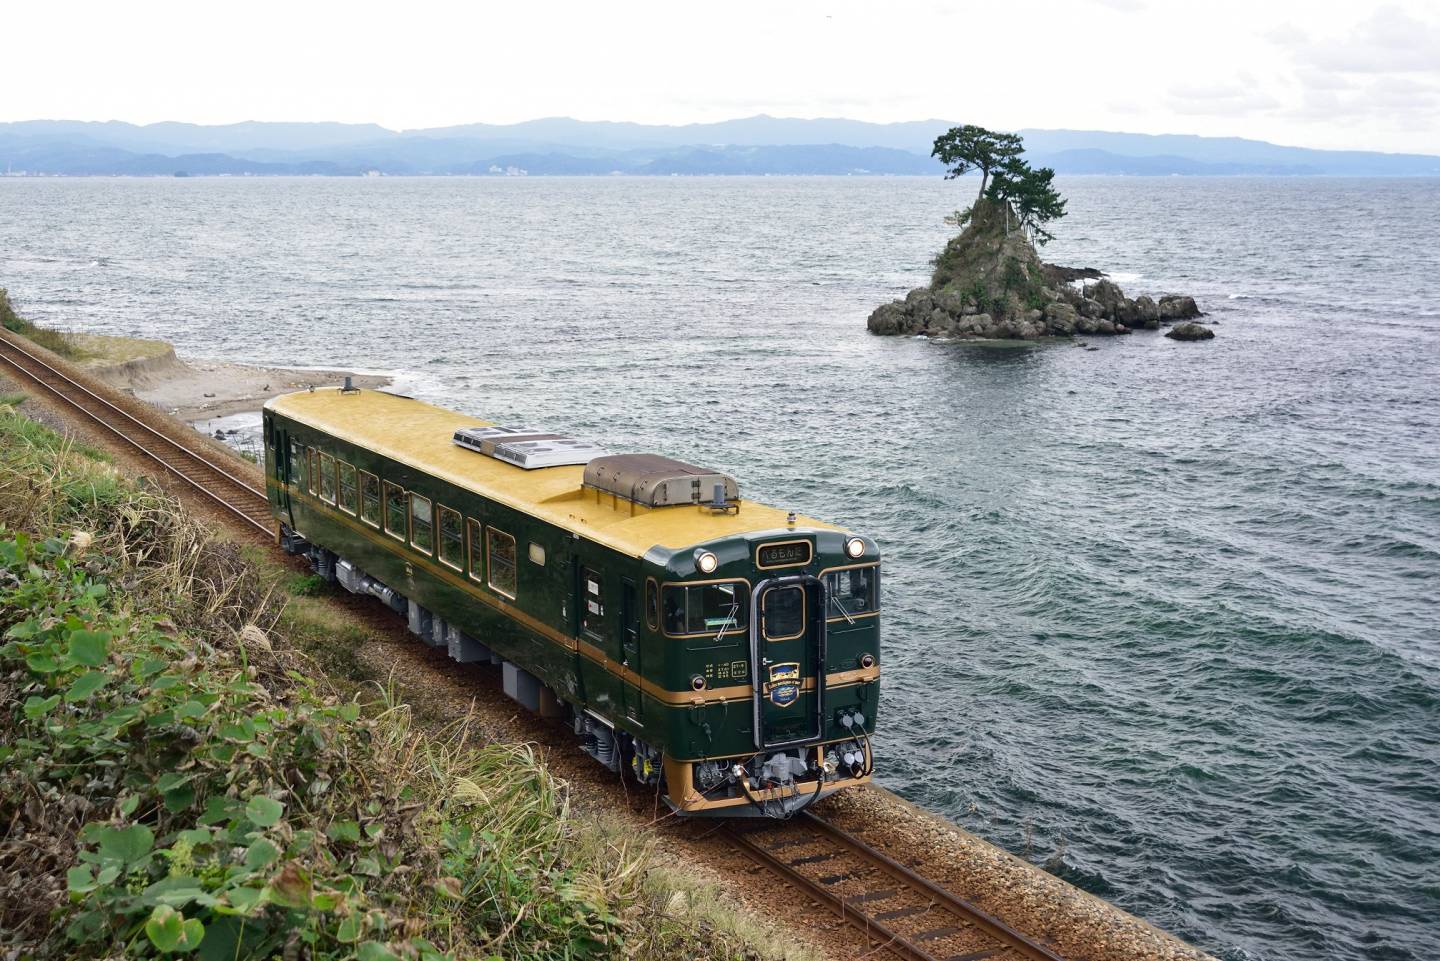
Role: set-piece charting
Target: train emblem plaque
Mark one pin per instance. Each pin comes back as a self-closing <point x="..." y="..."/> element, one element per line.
<point x="784" y="686"/>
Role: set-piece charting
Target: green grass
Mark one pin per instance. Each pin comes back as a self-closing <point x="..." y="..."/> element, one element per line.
<point x="55" y="341"/>
<point x="179" y="777"/>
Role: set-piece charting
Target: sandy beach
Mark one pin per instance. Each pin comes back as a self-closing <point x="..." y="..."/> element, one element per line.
<point x="205" y="389"/>
<point x="195" y="389"/>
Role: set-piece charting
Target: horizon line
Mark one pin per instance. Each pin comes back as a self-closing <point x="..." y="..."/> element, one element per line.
<point x="403" y="131"/>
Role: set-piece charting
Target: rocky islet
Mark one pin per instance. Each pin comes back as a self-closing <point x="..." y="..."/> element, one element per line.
<point x="989" y="283"/>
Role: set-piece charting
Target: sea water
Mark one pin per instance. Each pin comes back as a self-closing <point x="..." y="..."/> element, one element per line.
<point x="1159" y="616"/>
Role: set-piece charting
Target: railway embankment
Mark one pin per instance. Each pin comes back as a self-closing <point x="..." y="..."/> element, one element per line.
<point x="188" y="388"/>
<point x="181" y="778"/>
<point x="700" y="898"/>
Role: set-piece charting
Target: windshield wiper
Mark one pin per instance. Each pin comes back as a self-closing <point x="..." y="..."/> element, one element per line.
<point x="841" y="608"/>
<point x="729" y="619"/>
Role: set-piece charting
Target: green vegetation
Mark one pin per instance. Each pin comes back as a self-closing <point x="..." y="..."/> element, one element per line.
<point x="1005" y="178"/>
<point x="54" y="341"/>
<point x="968" y="148"/>
<point x="178" y="779"/>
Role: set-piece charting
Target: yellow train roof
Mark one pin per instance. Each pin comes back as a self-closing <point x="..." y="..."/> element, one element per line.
<point x="421" y="435"/>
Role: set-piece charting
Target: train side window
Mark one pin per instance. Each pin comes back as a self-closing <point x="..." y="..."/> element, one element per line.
<point x="500" y="558"/>
<point x="396" y="510"/>
<point x="313" y="470"/>
<point x="705" y="608"/>
<point x="349" y="491"/>
<point x="422" y="524"/>
<point x="369" y="498"/>
<point x="652" y="604"/>
<point x="853" y="591"/>
<point x="452" y="538"/>
<point x="327" y="478"/>
<point x="476" y="549"/>
<point x="297" y="463"/>
<point x="592" y="615"/>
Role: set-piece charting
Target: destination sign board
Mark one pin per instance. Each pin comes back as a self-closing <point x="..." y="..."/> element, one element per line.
<point x="784" y="554"/>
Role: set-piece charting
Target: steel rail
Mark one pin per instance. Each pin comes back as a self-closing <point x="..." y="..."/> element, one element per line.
<point x="853" y="909"/>
<point x="112" y="417"/>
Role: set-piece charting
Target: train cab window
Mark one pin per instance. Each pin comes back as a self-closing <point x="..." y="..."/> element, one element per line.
<point x="369" y="498"/>
<point x="705" y="608"/>
<point x="452" y="538"/>
<point x="853" y="591"/>
<point x="327" y="478"/>
<point x="652" y="605"/>
<point x="297" y="463"/>
<point x="592" y="615"/>
<point x="500" y="556"/>
<point x="422" y="524"/>
<point x="396" y="509"/>
<point x="476" y="549"/>
<point x="349" y="491"/>
<point x="782" y="611"/>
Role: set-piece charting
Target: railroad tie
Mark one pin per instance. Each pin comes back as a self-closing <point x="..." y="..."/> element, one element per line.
<point x="789" y="843"/>
<point x="903" y="912"/>
<point x="935" y="933"/>
<point x="812" y="858"/>
<point x="975" y="955"/>
<point x="837" y="878"/>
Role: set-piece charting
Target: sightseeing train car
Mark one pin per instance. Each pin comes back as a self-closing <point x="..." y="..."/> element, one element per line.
<point x="724" y="651"/>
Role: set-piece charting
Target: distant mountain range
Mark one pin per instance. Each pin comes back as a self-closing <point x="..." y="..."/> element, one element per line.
<point x="565" y="147"/>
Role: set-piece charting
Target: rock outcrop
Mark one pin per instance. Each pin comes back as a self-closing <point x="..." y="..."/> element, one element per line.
<point x="1189" y="331"/>
<point x="989" y="283"/>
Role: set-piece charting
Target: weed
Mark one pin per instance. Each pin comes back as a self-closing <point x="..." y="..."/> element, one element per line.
<point x="307" y="585"/>
<point x="55" y="341"/>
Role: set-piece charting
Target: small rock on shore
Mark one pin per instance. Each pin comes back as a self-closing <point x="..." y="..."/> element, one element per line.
<point x="1190" y="331"/>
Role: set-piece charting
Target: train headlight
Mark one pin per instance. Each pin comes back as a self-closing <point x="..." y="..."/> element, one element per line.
<point x="706" y="562"/>
<point x="855" y="547"/>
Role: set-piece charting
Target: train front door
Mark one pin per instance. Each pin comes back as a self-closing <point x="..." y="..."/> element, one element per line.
<point x="630" y="648"/>
<point x="280" y="468"/>
<point x="787" y="649"/>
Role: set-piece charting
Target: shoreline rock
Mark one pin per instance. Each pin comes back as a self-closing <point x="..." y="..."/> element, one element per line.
<point x="989" y="284"/>
<point x="1190" y="331"/>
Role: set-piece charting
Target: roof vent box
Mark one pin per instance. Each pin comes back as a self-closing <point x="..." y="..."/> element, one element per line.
<point x="527" y="447"/>
<point x="655" y="481"/>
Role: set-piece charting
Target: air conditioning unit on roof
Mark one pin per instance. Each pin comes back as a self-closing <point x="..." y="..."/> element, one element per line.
<point x="529" y="448"/>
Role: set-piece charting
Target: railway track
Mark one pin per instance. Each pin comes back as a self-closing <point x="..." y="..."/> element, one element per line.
<point x="193" y="467"/>
<point x="892" y="908"/>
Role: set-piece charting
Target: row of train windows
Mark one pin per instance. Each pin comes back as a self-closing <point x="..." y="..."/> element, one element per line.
<point x="723" y="607"/>
<point x="411" y="517"/>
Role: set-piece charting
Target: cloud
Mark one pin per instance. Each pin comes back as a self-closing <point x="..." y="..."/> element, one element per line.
<point x="1381" y="71"/>
<point x="1239" y="97"/>
<point x="1390" y="41"/>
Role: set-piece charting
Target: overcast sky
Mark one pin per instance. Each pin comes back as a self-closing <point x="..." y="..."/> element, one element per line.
<point x="1323" y="74"/>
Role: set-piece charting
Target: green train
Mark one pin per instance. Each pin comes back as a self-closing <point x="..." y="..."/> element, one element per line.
<point x="723" y="651"/>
